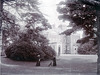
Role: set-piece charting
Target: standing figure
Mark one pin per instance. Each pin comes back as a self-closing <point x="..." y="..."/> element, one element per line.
<point x="54" y="61"/>
<point x="38" y="60"/>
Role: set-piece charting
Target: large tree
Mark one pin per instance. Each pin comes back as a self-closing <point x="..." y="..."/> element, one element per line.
<point x="28" y="14"/>
<point x="96" y="4"/>
<point x="19" y="39"/>
<point x="76" y="12"/>
<point x="1" y="12"/>
<point x="84" y="14"/>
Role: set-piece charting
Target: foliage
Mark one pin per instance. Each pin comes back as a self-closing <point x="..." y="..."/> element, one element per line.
<point x="88" y="48"/>
<point x="24" y="42"/>
<point x="9" y="29"/>
<point x="32" y="19"/>
<point x="26" y="50"/>
<point x="49" y="51"/>
<point x="21" y="51"/>
<point x="81" y="16"/>
<point x="77" y="12"/>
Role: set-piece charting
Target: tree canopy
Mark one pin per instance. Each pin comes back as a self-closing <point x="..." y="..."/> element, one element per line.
<point x="81" y="16"/>
<point x="28" y="13"/>
<point x="21" y="30"/>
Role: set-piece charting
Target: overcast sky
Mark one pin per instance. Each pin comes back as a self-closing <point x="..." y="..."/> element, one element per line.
<point x="48" y="8"/>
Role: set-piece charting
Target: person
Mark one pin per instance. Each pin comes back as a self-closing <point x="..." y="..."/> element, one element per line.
<point x="38" y="60"/>
<point x="54" y="61"/>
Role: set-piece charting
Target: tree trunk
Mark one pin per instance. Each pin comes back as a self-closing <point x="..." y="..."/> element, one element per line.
<point x="98" y="30"/>
<point x="1" y="8"/>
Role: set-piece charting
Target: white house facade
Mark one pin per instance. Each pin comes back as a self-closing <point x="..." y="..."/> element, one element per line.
<point x="62" y="44"/>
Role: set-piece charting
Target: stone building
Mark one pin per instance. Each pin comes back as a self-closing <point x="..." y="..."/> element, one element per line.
<point x="54" y="40"/>
<point x="71" y="44"/>
<point x="62" y="44"/>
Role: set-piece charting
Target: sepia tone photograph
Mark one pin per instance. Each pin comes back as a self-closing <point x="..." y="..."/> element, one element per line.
<point x="49" y="37"/>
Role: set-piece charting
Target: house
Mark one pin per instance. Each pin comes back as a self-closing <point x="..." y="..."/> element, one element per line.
<point x="62" y="44"/>
<point x="72" y="45"/>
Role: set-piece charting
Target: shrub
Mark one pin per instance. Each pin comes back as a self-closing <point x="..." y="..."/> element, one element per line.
<point x="27" y="51"/>
<point x="87" y="48"/>
<point x="22" y="51"/>
<point x="49" y="51"/>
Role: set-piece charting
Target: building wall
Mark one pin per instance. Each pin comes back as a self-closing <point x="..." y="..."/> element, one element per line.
<point x="71" y="45"/>
<point x="55" y="41"/>
<point x="68" y="45"/>
<point x="63" y="44"/>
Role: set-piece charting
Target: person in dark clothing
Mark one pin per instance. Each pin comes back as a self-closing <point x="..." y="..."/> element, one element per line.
<point x="38" y="60"/>
<point x="54" y="61"/>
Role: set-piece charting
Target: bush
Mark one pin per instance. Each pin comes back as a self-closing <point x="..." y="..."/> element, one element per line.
<point x="49" y="51"/>
<point x="22" y="51"/>
<point x="87" y="48"/>
<point x="27" y="51"/>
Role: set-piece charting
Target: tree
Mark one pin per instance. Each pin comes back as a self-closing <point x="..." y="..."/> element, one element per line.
<point x="31" y="17"/>
<point x="1" y="4"/>
<point x="17" y="43"/>
<point x="96" y="4"/>
<point x="88" y="48"/>
<point x="76" y="12"/>
<point x="1" y="12"/>
<point x="28" y="51"/>
<point x="93" y="13"/>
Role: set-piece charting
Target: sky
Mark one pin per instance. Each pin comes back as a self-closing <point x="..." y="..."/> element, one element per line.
<point x="48" y="8"/>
